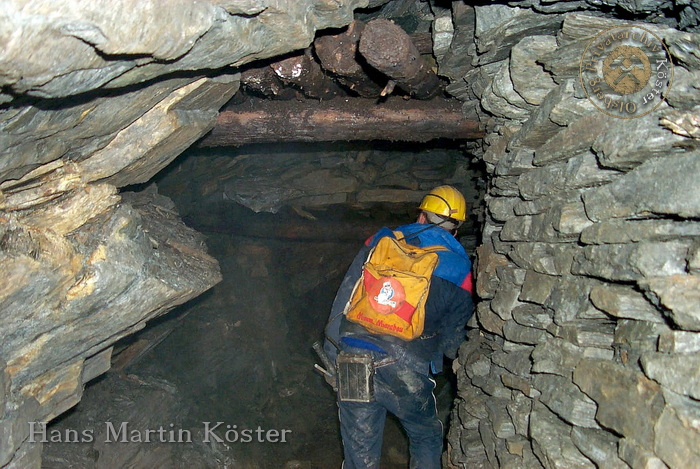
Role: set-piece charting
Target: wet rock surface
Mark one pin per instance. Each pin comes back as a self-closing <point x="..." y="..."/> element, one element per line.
<point x="587" y="256"/>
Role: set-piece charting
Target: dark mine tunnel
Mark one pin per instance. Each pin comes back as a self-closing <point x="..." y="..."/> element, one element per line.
<point x="184" y="185"/>
<point x="241" y="353"/>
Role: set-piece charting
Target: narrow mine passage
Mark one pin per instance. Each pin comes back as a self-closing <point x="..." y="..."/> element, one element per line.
<point x="586" y="340"/>
<point x="239" y="359"/>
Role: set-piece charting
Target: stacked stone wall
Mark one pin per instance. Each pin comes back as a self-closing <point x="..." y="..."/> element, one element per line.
<point x="585" y="347"/>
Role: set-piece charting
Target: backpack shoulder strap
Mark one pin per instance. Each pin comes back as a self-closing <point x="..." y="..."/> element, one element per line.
<point x="400" y="237"/>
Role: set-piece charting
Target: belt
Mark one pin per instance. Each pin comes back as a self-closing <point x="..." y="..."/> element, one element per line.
<point x="361" y="344"/>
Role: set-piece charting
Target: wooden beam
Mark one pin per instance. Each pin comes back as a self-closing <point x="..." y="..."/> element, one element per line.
<point x="341" y="119"/>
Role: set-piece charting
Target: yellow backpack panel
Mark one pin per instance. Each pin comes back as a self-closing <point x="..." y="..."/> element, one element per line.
<point x="390" y="296"/>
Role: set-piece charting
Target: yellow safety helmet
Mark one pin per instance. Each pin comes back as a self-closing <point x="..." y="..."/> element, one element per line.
<point x="446" y="201"/>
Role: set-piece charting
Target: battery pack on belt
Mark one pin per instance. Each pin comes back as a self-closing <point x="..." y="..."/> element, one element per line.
<point x="355" y="377"/>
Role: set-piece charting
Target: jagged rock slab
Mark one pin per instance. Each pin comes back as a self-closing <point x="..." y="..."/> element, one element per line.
<point x="517" y="383"/>
<point x="499" y="28"/>
<point x="523" y="335"/>
<point x="571" y="108"/>
<point x="684" y="123"/>
<point x="503" y="87"/>
<point x="678" y="436"/>
<point x="624" y="302"/>
<point x="529" y="79"/>
<point x="15" y="451"/>
<point x="536" y="228"/>
<point x="545" y="258"/>
<point x="492" y="384"/>
<point x="632" y="261"/>
<point x="566" y="400"/>
<point x="586" y="333"/>
<point x="480" y="78"/>
<point x="685" y="92"/>
<point x="494" y="101"/>
<point x="457" y="61"/>
<point x="558" y="223"/>
<point x="536" y="289"/>
<point x="87" y="126"/>
<point x="625" y="143"/>
<point x="573" y="140"/>
<point x="516" y="360"/>
<point x="554" y="447"/>
<point x="599" y="446"/>
<point x="495" y="148"/>
<point x="504" y="186"/>
<point x="684" y="47"/>
<point x="620" y="232"/>
<point x="556" y="356"/>
<point x="547" y="202"/>
<point x="501" y="208"/>
<point x="530" y="315"/>
<point x="639" y="456"/>
<point x="679" y="342"/>
<point x="564" y="62"/>
<point x="680" y="294"/>
<point x="505" y="299"/>
<point x="675" y="372"/>
<point x="627" y="401"/>
<point x="570" y="300"/>
<point x="488" y="319"/>
<point x="57" y="390"/>
<point x="150" y="41"/>
<point x="128" y="266"/>
<point x="519" y="409"/>
<point x="578" y="172"/>
<point x="634" y="337"/>
<point x="579" y="26"/>
<point x="162" y="133"/>
<point x="489" y="261"/>
<point x="502" y="425"/>
<point x="514" y="163"/>
<point x="666" y="186"/>
<point x="488" y="438"/>
<point x="539" y="128"/>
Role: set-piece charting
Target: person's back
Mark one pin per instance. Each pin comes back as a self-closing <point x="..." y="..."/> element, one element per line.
<point x="401" y="369"/>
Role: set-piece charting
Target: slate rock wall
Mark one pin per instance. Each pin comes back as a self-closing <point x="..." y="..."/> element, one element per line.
<point x="584" y="348"/>
<point x="95" y="99"/>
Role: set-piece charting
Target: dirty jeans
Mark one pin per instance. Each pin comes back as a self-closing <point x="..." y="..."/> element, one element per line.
<point x="409" y="396"/>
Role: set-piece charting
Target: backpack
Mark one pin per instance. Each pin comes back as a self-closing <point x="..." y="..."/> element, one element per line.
<point x="390" y="296"/>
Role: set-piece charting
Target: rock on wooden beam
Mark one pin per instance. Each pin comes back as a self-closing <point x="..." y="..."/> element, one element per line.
<point x="303" y="72"/>
<point x="264" y="81"/>
<point x="389" y="49"/>
<point x="341" y="119"/>
<point x="338" y="54"/>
